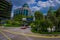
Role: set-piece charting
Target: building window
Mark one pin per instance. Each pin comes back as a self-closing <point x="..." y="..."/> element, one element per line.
<point x="26" y="12"/>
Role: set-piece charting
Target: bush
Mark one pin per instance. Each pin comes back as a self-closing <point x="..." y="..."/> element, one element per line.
<point x="12" y="23"/>
<point x="41" y="26"/>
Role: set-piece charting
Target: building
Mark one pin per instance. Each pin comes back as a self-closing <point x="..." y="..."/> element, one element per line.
<point x="5" y="9"/>
<point x="25" y="10"/>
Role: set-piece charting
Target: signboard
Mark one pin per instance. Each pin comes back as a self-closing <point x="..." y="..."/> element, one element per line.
<point x="29" y="19"/>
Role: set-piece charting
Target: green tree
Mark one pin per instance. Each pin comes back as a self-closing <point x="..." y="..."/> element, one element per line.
<point x="50" y="12"/>
<point x="58" y="12"/>
<point x="54" y="16"/>
<point x="42" y="25"/>
<point x="38" y="15"/>
<point x="58" y="24"/>
<point x="18" y="17"/>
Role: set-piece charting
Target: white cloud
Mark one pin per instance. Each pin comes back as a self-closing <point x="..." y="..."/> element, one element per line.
<point x="51" y="1"/>
<point x="15" y="7"/>
<point x="43" y="4"/>
<point x="45" y="14"/>
<point x="35" y="8"/>
<point x="58" y="1"/>
<point x="31" y="2"/>
<point x="55" y="1"/>
<point x="46" y="4"/>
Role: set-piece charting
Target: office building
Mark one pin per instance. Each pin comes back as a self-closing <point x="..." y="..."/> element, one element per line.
<point x="5" y="9"/>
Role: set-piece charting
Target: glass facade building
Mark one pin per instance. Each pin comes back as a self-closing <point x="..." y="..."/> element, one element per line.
<point x="25" y="10"/>
<point x="5" y="9"/>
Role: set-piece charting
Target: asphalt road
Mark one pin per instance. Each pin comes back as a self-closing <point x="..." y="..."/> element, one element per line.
<point x="2" y="37"/>
<point x="21" y="37"/>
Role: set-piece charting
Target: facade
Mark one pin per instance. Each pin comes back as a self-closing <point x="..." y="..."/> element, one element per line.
<point x="5" y="9"/>
<point x="25" y="10"/>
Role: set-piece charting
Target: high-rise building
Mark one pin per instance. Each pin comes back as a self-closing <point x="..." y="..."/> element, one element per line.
<point x="5" y="9"/>
<point x="25" y="10"/>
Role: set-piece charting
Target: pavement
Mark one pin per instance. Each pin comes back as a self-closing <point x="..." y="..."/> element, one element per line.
<point x="23" y="34"/>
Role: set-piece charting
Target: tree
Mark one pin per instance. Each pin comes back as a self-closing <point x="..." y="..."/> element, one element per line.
<point x="19" y="17"/>
<point x="58" y="12"/>
<point x="50" y="11"/>
<point x="58" y="19"/>
<point x="38" y="15"/>
<point x="45" y="24"/>
<point x="40" y="23"/>
<point x="58" y="24"/>
<point x="54" y="16"/>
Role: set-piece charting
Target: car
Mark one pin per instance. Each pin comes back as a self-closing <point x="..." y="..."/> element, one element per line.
<point x="23" y="27"/>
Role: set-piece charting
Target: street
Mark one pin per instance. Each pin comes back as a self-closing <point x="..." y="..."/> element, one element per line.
<point x="2" y="37"/>
<point x="20" y="37"/>
<point x="5" y="34"/>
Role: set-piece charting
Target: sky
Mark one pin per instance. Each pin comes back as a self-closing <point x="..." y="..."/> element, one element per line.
<point x="35" y="5"/>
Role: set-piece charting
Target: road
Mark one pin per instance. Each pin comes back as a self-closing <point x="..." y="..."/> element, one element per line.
<point x="5" y="35"/>
<point x="2" y="37"/>
<point x="21" y="37"/>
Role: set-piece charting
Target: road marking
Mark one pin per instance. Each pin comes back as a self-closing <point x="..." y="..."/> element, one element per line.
<point x="31" y="35"/>
<point x="5" y="35"/>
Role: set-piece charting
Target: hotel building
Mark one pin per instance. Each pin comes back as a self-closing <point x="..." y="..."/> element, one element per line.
<point x="25" y="10"/>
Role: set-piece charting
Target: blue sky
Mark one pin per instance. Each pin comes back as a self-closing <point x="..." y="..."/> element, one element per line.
<point x="41" y="5"/>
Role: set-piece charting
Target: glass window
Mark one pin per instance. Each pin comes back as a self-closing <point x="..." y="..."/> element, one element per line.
<point x="26" y="12"/>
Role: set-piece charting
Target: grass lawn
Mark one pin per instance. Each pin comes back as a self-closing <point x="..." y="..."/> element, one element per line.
<point x="50" y="33"/>
<point x="9" y="25"/>
<point x="45" y="32"/>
